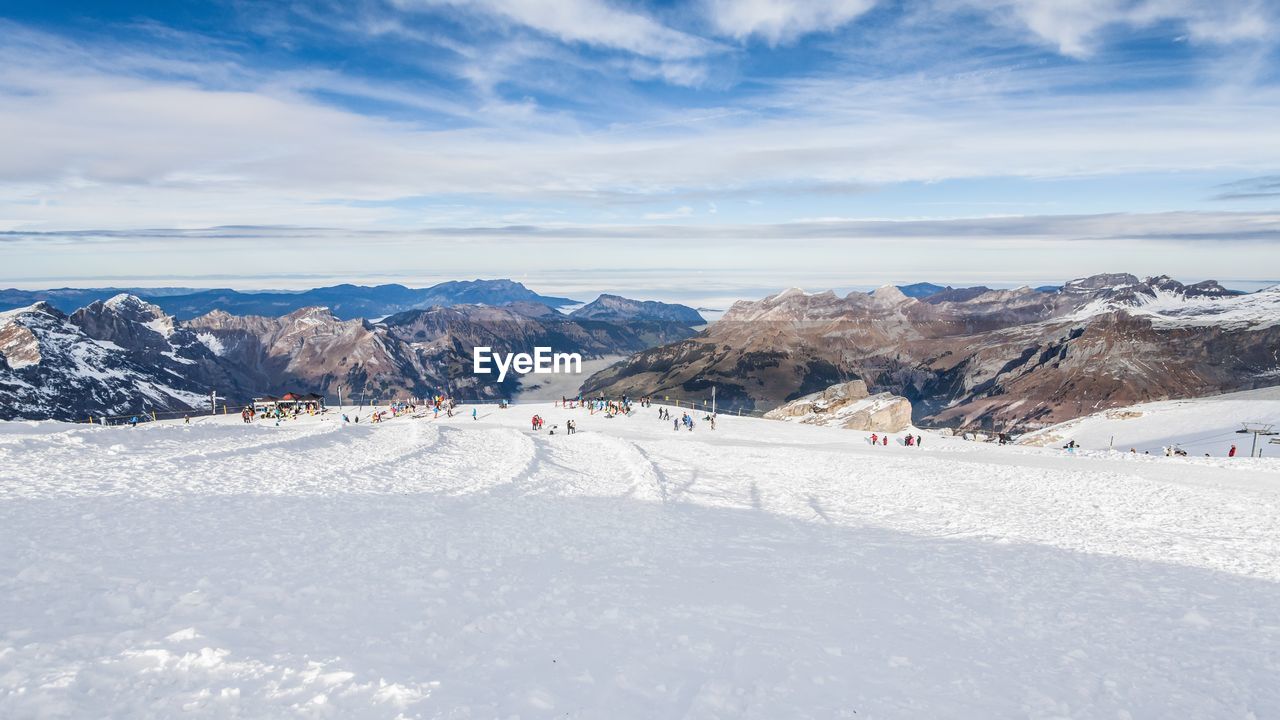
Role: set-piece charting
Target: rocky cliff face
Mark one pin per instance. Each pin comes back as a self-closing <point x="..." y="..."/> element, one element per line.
<point x="849" y="406"/>
<point x="312" y="350"/>
<point x="1001" y="359"/>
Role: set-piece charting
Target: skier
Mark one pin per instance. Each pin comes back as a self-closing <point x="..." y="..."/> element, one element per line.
<point x="918" y="439"/>
<point x="875" y="439"/>
<point x="1232" y="451"/>
<point x="186" y="419"/>
<point x="474" y="414"/>
<point x="675" y="425"/>
<point x="885" y="441"/>
<point x="133" y="421"/>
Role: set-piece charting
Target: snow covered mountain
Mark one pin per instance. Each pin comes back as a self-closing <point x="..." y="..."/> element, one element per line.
<point x="51" y="367"/>
<point x="125" y="355"/>
<point x="1002" y="359"/>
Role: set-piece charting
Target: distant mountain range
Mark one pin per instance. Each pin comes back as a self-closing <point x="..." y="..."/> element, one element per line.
<point x="976" y="357"/>
<point x="347" y="302"/>
<point x="934" y="294"/>
<point x="126" y="355"/>
<point x="965" y="357"/>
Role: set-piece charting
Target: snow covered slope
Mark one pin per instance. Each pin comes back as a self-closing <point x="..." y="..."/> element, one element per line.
<point x="1199" y="426"/>
<point x="471" y="569"/>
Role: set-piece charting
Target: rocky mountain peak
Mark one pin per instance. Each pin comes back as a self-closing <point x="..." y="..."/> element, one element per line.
<point x="133" y="307"/>
<point x="1105" y="281"/>
<point x="39" y="308"/>
<point x="1209" y="288"/>
<point x="889" y="294"/>
<point x="127" y="321"/>
<point x="620" y="309"/>
<point x="311" y="315"/>
<point x="790" y="294"/>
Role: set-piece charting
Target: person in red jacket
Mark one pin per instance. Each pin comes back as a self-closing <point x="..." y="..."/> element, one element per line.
<point x="1232" y="451"/>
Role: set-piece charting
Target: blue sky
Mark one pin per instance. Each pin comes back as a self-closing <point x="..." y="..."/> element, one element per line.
<point x="731" y="145"/>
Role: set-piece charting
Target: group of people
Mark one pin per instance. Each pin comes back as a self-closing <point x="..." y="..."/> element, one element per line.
<point x="909" y="441"/>
<point x="685" y="420"/>
<point x="601" y="404"/>
<point x="1177" y="451"/>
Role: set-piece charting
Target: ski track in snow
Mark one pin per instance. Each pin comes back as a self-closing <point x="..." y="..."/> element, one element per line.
<point x="459" y="569"/>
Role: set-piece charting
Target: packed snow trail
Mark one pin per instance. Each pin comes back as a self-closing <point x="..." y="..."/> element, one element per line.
<point x="451" y="568"/>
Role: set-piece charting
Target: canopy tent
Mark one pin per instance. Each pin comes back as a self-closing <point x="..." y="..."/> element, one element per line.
<point x="289" y="401"/>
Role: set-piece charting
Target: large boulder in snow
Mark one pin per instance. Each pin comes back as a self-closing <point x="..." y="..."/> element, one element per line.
<point x="848" y="405"/>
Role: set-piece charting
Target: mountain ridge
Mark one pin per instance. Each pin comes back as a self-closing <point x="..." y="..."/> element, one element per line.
<point x="125" y="355"/>
<point x="347" y="301"/>
<point x="1002" y="358"/>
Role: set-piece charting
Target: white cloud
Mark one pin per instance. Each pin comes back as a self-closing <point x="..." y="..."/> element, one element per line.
<point x="1074" y="26"/>
<point x="593" y="22"/>
<point x="148" y="146"/>
<point x="778" y="21"/>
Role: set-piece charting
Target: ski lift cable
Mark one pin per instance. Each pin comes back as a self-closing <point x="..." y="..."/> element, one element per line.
<point x="1204" y="440"/>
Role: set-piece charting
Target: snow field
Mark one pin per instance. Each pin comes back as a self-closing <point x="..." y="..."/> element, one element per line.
<point x="463" y="569"/>
<point x="1198" y="425"/>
